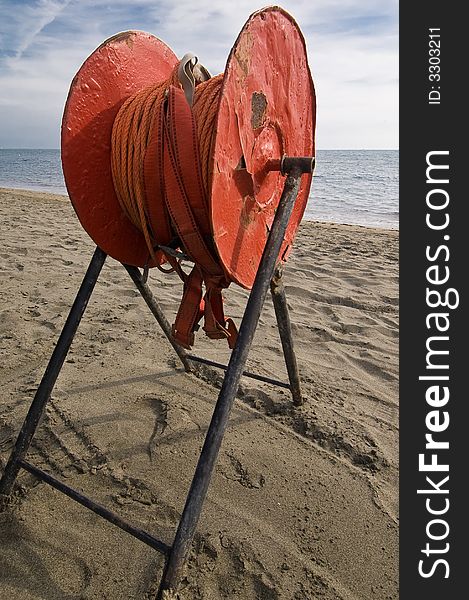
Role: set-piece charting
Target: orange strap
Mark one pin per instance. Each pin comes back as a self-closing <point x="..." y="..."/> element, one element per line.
<point x="184" y="193"/>
<point x="163" y="185"/>
<point x="185" y="202"/>
<point x="153" y="175"/>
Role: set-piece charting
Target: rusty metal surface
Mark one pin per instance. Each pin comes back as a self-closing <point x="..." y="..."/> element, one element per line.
<point x="121" y="66"/>
<point x="267" y="109"/>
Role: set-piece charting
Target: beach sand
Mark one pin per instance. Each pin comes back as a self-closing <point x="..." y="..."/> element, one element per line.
<point x="303" y="503"/>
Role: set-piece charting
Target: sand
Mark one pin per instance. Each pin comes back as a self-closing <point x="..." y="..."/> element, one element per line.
<point x="303" y="503"/>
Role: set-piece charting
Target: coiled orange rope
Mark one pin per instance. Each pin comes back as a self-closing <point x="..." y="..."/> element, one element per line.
<point x="161" y="159"/>
<point x="131" y="133"/>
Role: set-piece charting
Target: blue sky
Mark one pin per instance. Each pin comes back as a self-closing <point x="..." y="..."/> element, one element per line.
<point x="352" y="49"/>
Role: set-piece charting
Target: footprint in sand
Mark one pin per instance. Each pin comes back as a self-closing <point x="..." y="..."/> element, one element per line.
<point x="160" y="410"/>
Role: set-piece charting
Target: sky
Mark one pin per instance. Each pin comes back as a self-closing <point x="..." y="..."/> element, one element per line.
<point x="352" y="51"/>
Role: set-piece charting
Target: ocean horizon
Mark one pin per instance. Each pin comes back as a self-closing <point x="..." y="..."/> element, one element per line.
<point x="357" y="187"/>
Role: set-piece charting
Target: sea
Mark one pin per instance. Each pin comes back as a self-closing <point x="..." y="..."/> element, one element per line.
<point x="358" y="187"/>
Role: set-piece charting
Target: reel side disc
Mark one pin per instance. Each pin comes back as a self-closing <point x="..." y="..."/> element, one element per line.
<point x="267" y="109"/>
<point x="123" y="65"/>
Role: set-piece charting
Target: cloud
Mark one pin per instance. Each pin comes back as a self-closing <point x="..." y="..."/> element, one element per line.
<point x="22" y="25"/>
<point x="352" y="48"/>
